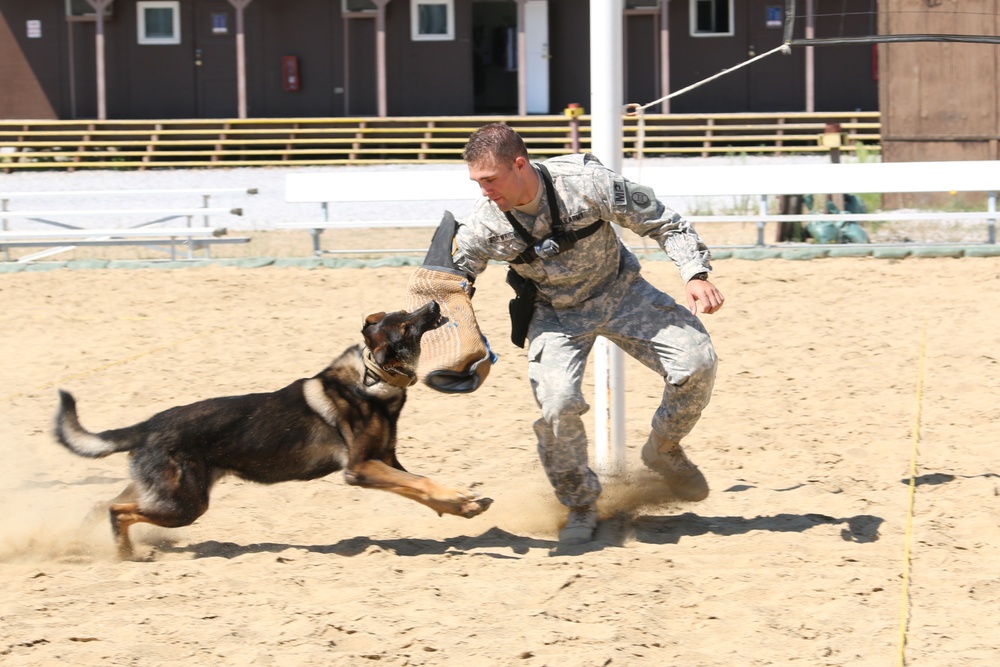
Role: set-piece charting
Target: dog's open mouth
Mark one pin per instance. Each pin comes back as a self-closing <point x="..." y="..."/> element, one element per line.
<point x="431" y="316"/>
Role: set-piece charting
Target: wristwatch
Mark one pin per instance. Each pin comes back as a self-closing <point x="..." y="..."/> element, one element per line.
<point x="699" y="276"/>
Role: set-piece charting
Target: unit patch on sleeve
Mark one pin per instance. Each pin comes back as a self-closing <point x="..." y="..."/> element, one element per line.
<point x="641" y="199"/>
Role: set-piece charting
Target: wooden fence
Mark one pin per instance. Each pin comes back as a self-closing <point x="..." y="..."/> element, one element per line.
<point x="144" y="144"/>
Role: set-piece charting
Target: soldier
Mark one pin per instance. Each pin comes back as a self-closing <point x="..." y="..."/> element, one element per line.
<point x="551" y="222"/>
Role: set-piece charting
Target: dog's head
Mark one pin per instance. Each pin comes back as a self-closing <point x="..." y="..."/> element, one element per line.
<point x="394" y="338"/>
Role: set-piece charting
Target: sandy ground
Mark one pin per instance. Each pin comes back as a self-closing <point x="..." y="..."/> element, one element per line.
<point x="836" y="375"/>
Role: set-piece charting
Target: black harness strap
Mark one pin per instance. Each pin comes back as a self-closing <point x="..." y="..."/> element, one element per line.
<point x="529" y="253"/>
<point x="564" y="239"/>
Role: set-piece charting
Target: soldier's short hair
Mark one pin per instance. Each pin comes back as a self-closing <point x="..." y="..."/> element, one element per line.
<point x="494" y="143"/>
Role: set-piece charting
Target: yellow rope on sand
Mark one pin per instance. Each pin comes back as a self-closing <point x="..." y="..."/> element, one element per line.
<point x="904" y="620"/>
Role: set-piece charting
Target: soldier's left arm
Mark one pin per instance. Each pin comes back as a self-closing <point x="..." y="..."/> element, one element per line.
<point x="705" y="294"/>
<point x="635" y="207"/>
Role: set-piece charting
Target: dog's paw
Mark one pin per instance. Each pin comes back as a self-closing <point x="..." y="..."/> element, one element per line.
<point x="475" y="507"/>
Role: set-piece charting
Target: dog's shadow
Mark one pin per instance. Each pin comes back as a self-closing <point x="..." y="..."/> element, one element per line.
<point x="498" y="543"/>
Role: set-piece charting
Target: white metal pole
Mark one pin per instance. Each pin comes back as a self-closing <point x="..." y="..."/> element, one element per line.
<point x="522" y="60"/>
<point x="664" y="56"/>
<point x="241" y="62"/>
<point x="241" y="57"/>
<point x="810" y="58"/>
<point x="606" y="108"/>
<point x="380" y="55"/>
<point x="102" y="105"/>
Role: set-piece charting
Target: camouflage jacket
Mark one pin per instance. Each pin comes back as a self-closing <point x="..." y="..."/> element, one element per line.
<point x="599" y="267"/>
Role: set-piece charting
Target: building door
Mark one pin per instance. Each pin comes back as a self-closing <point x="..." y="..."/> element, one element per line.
<point x="709" y="36"/>
<point x="776" y="82"/>
<point x="494" y="57"/>
<point x="536" y="33"/>
<point x="214" y="59"/>
<point x="642" y="59"/>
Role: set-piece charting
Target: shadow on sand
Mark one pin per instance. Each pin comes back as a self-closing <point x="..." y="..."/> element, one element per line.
<point x="493" y="539"/>
<point x="670" y="529"/>
<point x="498" y="543"/>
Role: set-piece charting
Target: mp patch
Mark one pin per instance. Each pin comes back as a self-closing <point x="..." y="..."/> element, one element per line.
<point x="619" y="193"/>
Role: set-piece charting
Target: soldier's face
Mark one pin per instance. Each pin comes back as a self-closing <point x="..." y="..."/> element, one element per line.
<point x="504" y="184"/>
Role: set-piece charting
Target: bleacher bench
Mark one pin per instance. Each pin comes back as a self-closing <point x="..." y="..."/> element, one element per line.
<point x="61" y="236"/>
<point x="758" y="181"/>
<point x="763" y="181"/>
<point x="373" y="187"/>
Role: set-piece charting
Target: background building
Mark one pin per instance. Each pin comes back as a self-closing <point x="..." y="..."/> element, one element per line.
<point x="328" y="58"/>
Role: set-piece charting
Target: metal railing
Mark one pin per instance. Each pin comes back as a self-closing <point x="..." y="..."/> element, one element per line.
<point x="145" y="144"/>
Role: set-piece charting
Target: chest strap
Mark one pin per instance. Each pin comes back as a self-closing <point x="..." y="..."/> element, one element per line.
<point x="563" y="240"/>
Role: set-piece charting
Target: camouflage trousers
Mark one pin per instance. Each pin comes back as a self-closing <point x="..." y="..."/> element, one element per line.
<point x="649" y="326"/>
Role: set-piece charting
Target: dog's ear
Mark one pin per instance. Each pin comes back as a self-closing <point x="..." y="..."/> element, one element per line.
<point x="372" y="339"/>
<point x="368" y="327"/>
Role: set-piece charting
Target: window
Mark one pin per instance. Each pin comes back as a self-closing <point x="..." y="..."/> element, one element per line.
<point x="432" y="20"/>
<point x="711" y="18"/>
<point x="82" y="9"/>
<point x="159" y="22"/>
<point x="357" y="7"/>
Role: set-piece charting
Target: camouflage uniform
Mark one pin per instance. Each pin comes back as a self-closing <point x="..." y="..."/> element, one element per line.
<point x="594" y="289"/>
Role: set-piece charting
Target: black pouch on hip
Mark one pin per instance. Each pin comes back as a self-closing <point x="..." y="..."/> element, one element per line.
<point x="521" y="307"/>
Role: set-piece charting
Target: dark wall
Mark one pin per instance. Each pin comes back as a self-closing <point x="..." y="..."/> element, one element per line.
<point x="641" y="58"/>
<point x="845" y="73"/>
<point x="693" y="59"/>
<point x="361" y="91"/>
<point x="31" y="70"/>
<point x="162" y="81"/>
<point x="429" y="78"/>
<point x="846" y="79"/>
<point x="569" y="46"/>
<point x="145" y="81"/>
<point x="775" y="83"/>
<point x="310" y="31"/>
<point x="79" y="81"/>
<point x="55" y="76"/>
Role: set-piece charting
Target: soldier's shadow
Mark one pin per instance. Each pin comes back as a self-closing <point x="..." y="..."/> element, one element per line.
<point x="861" y="528"/>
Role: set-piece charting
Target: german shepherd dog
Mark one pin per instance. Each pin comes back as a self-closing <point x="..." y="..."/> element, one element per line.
<point x="344" y="418"/>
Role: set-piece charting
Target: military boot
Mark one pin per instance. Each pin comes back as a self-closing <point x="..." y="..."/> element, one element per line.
<point x="580" y="526"/>
<point x="668" y="459"/>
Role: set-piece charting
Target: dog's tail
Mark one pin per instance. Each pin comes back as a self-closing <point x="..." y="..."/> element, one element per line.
<point x="72" y="435"/>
